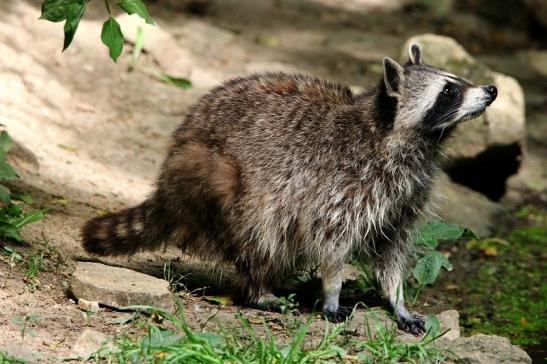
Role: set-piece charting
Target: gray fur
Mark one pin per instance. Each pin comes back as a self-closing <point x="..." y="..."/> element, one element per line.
<point x="277" y="172"/>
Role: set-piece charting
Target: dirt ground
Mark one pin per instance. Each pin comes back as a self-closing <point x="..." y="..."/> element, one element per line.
<point x="91" y="134"/>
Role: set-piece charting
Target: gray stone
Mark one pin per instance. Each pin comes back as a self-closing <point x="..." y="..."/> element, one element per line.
<point x="119" y="287"/>
<point x="531" y="180"/>
<point x="503" y="123"/>
<point x="465" y="207"/>
<point x="486" y="349"/>
<point x="88" y="306"/>
<point x="537" y="60"/>
<point x="368" y="322"/>
<point x="88" y="343"/>
<point x="450" y="320"/>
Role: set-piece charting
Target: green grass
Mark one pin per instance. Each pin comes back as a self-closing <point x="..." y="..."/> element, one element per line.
<point x="176" y="342"/>
<point x="8" y="359"/>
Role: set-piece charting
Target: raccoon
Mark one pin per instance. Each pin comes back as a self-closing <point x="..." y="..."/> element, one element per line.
<point x="277" y="172"/>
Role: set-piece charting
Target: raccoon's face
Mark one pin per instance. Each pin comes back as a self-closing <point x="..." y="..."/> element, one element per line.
<point x="432" y="100"/>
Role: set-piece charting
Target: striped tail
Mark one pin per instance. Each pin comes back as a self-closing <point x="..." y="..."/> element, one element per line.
<point x="125" y="232"/>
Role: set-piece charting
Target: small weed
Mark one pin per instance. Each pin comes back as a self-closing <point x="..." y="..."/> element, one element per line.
<point x="170" y="275"/>
<point x="289" y="314"/>
<point x="34" y="267"/>
<point x="23" y="323"/>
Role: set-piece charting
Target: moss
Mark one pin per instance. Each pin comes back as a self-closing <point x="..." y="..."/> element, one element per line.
<point x="505" y="292"/>
<point x="511" y="291"/>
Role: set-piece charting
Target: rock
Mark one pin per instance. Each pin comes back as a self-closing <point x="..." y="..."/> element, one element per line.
<point x="537" y="60"/>
<point x="119" y="287"/>
<point x="465" y="207"/>
<point x="530" y="183"/>
<point x="502" y="124"/>
<point x="88" y="343"/>
<point x="485" y="349"/>
<point x="450" y="320"/>
<point x="88" y="306"/>
<point x="505" y="117"/>
<point x="368" y="322"/>
<point x="365" y="6"/>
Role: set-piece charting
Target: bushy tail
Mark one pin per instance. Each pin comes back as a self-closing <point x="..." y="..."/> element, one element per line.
<point x="125" y="232"/>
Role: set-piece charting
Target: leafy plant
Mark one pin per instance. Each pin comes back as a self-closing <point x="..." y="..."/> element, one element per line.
<point x="12" y="216"/>
<point x="72" y="11"/>
<point x="430" y="261"/>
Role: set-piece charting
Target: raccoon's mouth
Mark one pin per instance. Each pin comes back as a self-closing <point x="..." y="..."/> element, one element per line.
<point x="473" y="114"/>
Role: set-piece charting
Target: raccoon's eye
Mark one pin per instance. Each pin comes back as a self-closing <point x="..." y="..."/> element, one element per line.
<point x="449" y="90"/>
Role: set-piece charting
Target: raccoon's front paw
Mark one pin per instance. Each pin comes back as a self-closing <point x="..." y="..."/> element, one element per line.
<point x="413" y="324"/>
<point x="268" y="302"/>
<point x="340" y="315"/>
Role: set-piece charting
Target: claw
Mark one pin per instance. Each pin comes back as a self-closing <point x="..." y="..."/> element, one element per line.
<point x="268" y="302"/>
<point x="339" y="316"/>
<point x="413" y="324"/>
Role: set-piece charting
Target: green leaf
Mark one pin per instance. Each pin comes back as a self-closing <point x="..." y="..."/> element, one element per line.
<point x="75" y="11"/>
<point x="7" y="171"/>
<point x="176" y="81"/>
<point x="54" y="10"/>
<point x="221" y="300"/>
<point x="136" y="7"/>
<point x="429" y="234"/>
<point x="28" y="218"/>
<point x="5" y="142"/>
<point x="432" y="325"/>
<point x="10" y="231"/>
<point x="12" y="253"/>
<point x="341" y="352"/>
<point x="112" y="37"/>
<point x="5" y="145"/>
<point x="212" y="338"/>
<point x="428" y="267"/>
<point x="5" y="194"/>
<point x="23" y="197"/>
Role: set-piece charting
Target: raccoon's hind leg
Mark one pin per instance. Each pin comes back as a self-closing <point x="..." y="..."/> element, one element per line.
<point x="389" y="268"/>
<point x="257" y="281"/>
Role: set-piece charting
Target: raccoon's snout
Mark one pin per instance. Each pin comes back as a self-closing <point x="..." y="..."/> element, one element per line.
<point x="492" y="93"/>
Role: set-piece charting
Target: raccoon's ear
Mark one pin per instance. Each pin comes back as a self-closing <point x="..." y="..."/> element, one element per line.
<point x="415" y="53"/>
<point x="393" y="76"/>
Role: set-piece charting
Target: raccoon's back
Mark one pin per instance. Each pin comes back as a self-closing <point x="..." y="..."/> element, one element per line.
<point x="268" y="106"/>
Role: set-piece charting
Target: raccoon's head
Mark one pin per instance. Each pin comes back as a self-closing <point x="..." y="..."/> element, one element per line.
<point x="430" y="100"/>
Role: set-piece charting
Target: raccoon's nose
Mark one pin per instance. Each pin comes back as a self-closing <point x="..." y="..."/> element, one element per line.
<point x="492" y="93"/>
